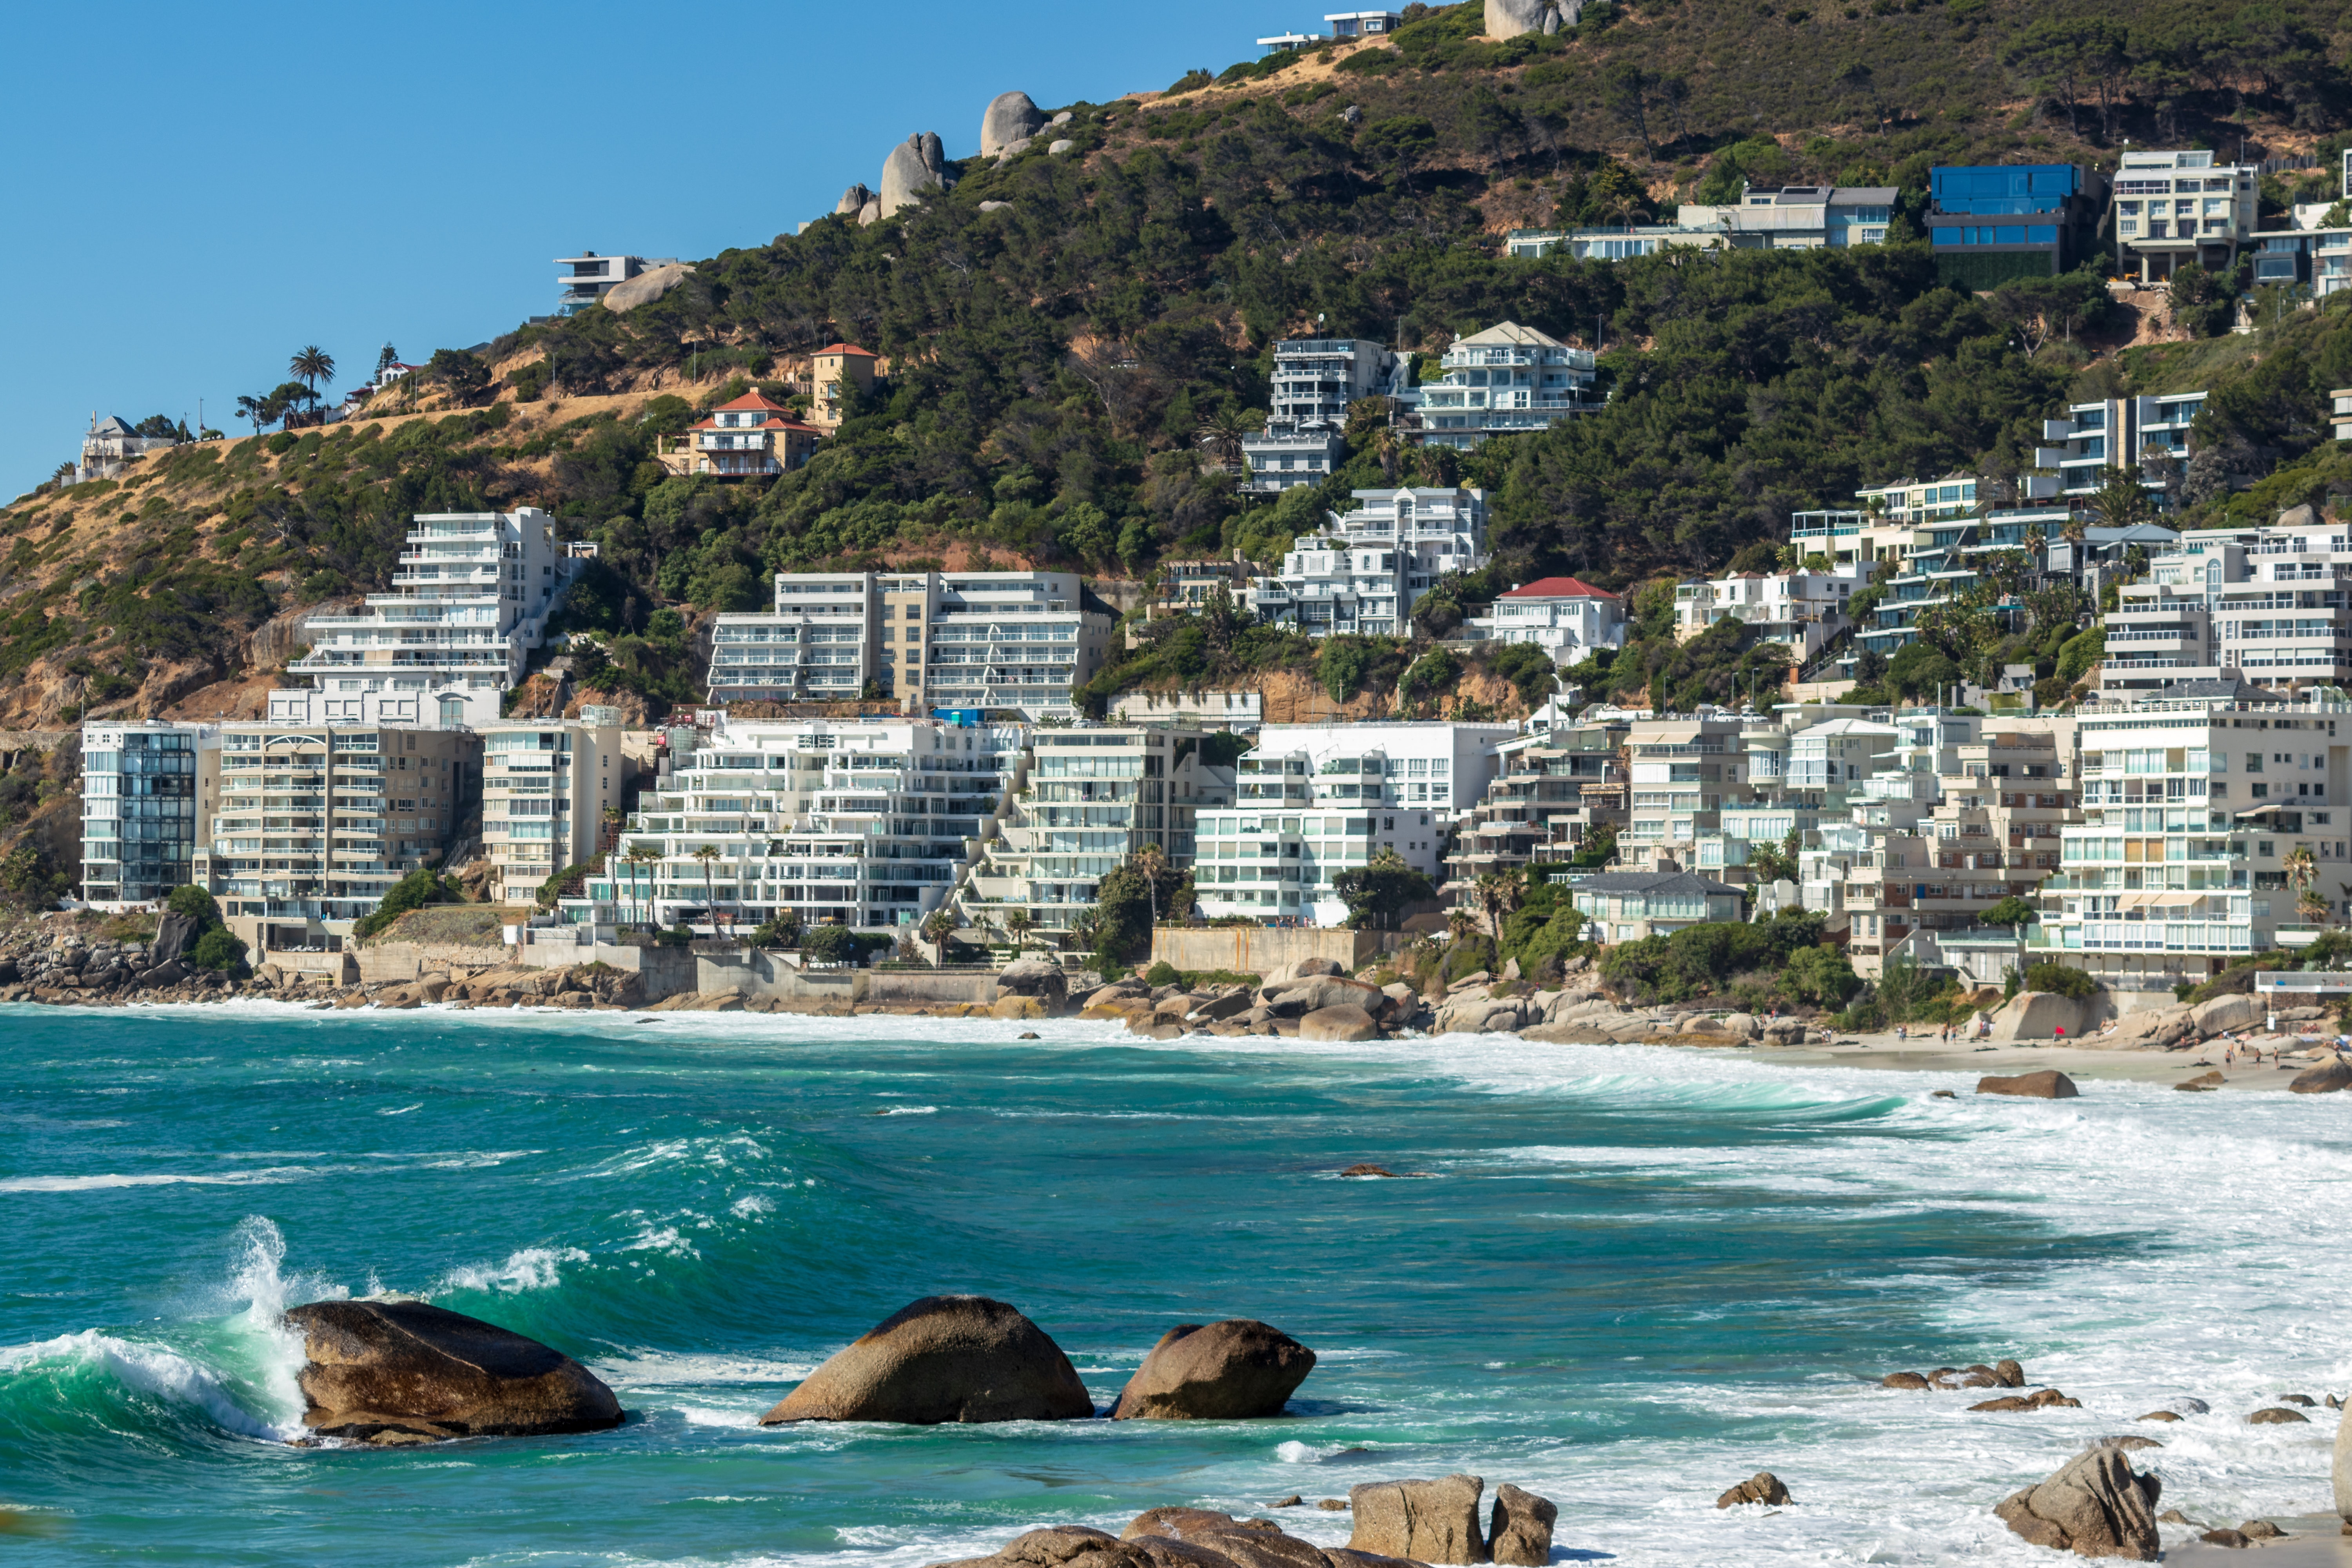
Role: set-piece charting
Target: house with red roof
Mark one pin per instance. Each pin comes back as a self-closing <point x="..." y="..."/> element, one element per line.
<point x="748" y="438"/>
<point x="1565" y="617"/>
<point x="830" y="368"/>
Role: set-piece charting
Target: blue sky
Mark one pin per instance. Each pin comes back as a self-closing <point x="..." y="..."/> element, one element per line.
<point x="196" y="194"/>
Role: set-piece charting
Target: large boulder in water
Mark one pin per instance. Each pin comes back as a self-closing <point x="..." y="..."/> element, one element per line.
<point x="1226" y="1371"/>
<point x="1203" y="1538"/>
<point x="2046" y="1084"/>
<point x="2092" y="1506"/>
<point x="1520" y="1533"/>
<point x="1428" y="1522"/>
<point x="406" y="1372"/>
<point x="2330" y="1077"/>
<point x="1010" y="117"/>
<point x="914" y="167"/>
<point x="1033" y="977"/>
<point x="942" y="1359"/>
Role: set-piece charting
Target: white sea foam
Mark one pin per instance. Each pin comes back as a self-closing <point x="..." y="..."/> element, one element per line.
<point x="154" y="1370"/>
<point x="750" y="1206"/>
<point x="530" y="1268"/>
<point x="272" y="1176"/>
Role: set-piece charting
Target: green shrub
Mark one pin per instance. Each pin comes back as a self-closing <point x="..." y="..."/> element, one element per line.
<point x="1164" y="973"/>
<point x="2061" y="980"/>
<point x="421" y="887"/>
<point x="831" y="945"/>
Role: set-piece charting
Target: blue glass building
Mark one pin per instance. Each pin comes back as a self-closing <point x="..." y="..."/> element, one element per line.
<point x="1991" y="223"/>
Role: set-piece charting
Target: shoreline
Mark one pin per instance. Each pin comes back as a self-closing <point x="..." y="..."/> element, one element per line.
<point x="1886" y="1052"/>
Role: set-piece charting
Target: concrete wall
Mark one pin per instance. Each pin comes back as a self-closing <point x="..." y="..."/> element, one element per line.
<point x="913" y="988"/>
<point x="394" y="962"/>
<point x="1257" y="949"/>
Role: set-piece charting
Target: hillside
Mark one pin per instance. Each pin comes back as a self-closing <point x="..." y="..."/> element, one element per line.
<point x="1051" y="364"/>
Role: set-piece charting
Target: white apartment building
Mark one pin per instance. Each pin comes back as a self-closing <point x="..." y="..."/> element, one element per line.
<point x="1505" y="381"/>
<point x="1564" y="616"/>
<point x="2261" y="605"/>
<point x="861" y="823"/>
<point x="1803" y="609"/>
<point x="2172" y="208"/>
<point x="1366" y="570"/>
<point x="1315" y="800"/>
<point x="1794" y="218"/>
<point x="138" y="809"/>
<point x="1094" y="796"/>
<point x="547" y="786"/>
<point x="1315" y="380"/>
<point x="958" y="641"/>
<point x="2117" y="433"/>
<point x="470" y="599"/>
<point x="303" y="828"/>
<point x="2192" y="811"/>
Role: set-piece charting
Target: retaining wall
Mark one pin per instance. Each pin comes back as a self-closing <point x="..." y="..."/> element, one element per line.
<point x="1259" y="950"/>
<point x="396" y="962"/>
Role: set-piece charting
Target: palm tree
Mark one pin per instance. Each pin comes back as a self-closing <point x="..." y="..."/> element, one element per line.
<point x="2302" y="874"/>
<point x="1461" y="922"/>
<point x="1388" y="446"/>
<point x="1489" y="889"/>
<point x="937" y="928"/>
<point x="641" y="854"/>
<point x="707" y="855"/>
<point x="1223" y="431"/>
<point x="1016" y="925"/>
<point x="1151" y="860"/>
<point x="312" y="365"/>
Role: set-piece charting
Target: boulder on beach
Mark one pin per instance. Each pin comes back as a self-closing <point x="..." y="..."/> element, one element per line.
<point x="1428" y="1522"/>
<point x="942" y="1359"/>
<point x="2093" y="1505"/>
<point x="1033" y="977"/>
<point x="2043" y="1085"/>
<point x="1296" y="998"/>
<point x="1202" y="1538"/>
<point x="1230" y="1371"/>
<point x="408" y="1372"/>
<point x="1519" y="1530"/>
<point x="2225" y="1012"/>
<point x="1310" y="968"/>
<point x="2036" y="1016"/>
<point x="1074" y="1544"/>
<point x="1345" y="1022"/>
<point x="1762" y="1487"/>
<point x="2328" y="1078"/>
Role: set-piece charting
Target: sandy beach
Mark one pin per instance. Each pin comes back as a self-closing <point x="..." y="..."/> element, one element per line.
<point x="2081" y="1062"/>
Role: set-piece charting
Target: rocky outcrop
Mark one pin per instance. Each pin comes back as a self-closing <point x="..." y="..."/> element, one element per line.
<point x="1010" y="117"/>
<point x="1346" y="1022"/>
<point x="1033" y="977"/>
<point x="2040" y="1399"/>
<point x="1519" y="1531"/>
<point x="2045" y="1085"/>
<point x="1428" y="1522"/>
<point x="1230" y="1371"/>
<point x="2036" y="1016"/>
<point x="1762" y="1487"/>
<point x="2093" y="1505"/>
<point x="1509" y="19"/>
<point x="853" y="201"/>
<point x="646" y="286"/>
<point x="2277" y="1416"/>
<point x="391" y="1372"/>
<point x="942" y="1359"/>
<point x="916" y="167"/>
<point x="2225" y="1012"/>
<point x="2329" y="1077"/>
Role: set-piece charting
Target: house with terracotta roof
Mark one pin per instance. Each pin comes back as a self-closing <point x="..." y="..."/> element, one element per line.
<point x="1566" y="618"/>
<point x="748" y="438"/>
<point x="829" y="367"/>
<point x="1802" y="609"/>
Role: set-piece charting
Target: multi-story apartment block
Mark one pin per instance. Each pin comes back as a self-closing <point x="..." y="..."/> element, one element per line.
<point x="1095" y="796"/>
<point x="1803" y="609"/>
<point x="2262" y="605"/>
<point x="582" y="279"/>
<point x="962" y="640"/>
<point x="2174" y="207"/>
<point x="1505" y="381"/>
<point x="1949" y="557"/>
<point x="552" y="792"/>
<point x="1366" y="570"/>
<point x="1184" y="586"/>
<point x="2193" y="815"/>
<point x="749" y="437"/>
<point x="1315" y="800"/>
<point x="1798" y="217"/>
<point x="1562" y="615"/>
<point x="1999" y="824"/>
<point x="1990" y="224"/>
<point x="1682" y="769"/>
<point x="830" y="369"/>
<point x="310" y="825"/>
<point x="139" y="817"/>
<point x="470" y="599"/>
<point x="2120" y="433"/>
<point x="1552" y="789"/>
<point x="1315" y="380"/>
<point x="2306" y="256"/>
<point x="865" y="823"/>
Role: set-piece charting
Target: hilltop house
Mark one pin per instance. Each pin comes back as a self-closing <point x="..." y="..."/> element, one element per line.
<point x="828" y="368"/>
<point x="1565" y="618"/>
<point x="111" y="443"/>
<point x="749" y="437"/>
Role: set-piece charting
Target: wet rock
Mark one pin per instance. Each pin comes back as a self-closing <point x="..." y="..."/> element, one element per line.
<point x="2276" y="1417"/>
<point x="1293" y="1501"/>
<point x="2224" y="1537"/>
<point x="2329" y="1077"/>
<point x="1332" y="1504"/>
<point x="408" y="1370"/>
<point x="2307" y="1401"/>
<point x="2092" y="1505"/>
<point x="1903" y="1380"/>
<point x="942" y="1359"/>
<point x="1369" y="1171"/>
<point x="2203" y="1083"/>
<point x="1344" y="1023"/>
<point x="1426" y="1521"/>
<point x="1074" y="1544"/>
<point x="1519" y="1530"/>
<point x="2012" y="1373"/>
<point x="1762" y="1487"/>
<point x="1236" y="1370"/>
<point x="1244" y="1542"/>
<point x="2045" y="1085"/>
<point x="2260" y="1530"/>
<point x="2043" y="1399"/>
<point x="2129" y="1444"/>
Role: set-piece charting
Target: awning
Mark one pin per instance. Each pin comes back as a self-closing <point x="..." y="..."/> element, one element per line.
<point x="2140" y="900"/>
<point x="2266" y="805"/>
<point x="2177" y="901"/>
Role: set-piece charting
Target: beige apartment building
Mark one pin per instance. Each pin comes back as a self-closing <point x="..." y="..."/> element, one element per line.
<point x="553" y="791"/>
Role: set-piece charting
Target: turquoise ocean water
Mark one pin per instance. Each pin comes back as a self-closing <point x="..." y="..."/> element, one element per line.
<point x="1631" y="1277"/>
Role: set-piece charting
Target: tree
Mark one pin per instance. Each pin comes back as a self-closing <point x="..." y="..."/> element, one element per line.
<point x="1379" y="888"/>
<point x="1017" y="923"/>
<point x="258" y="410"/>
<point x="1402" y="141"/>
<point x="466" y="376"/>
<point x="640" y="854"/>
<point x="1223" y="431"/>
<point x="782" y="929"/>
<point x="2121" y="501"/>
<point x="2009" y="911"/>
<point x="414" y="892"/>
<point x="938" y="926"/>
<point x="707" y="856"/>
<point x="2302" y="876"/>
<point x="310" y="365"/>
<point x="1821" y="976"/>
<point x="2061" y="980"/>
<point x="1772" y="864"/>
<point x="1461" y="923"/>
<point x="1626" y="91"/>
<point x="830" y="945"/>
<point x="386" y="358"/>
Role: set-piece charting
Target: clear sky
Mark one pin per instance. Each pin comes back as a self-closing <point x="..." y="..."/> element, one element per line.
<point x="196" y="194"/>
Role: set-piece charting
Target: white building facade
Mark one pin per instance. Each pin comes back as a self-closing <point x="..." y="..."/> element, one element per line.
<point x="1363" y="574"/>
<point x="1566" y="618"/>
<point x="1803" y="609"/>
<point x="470" y="599"/>
<point x="1316" y="800"/>
<point x="2174" y="207"/>
<point x="2266" y="606"/>
<point x="1505" y="381"/>
<point x="1315" y="380"/>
